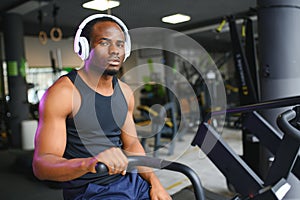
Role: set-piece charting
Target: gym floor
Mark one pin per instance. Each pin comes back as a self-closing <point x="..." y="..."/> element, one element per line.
<point x="17" y="181"/>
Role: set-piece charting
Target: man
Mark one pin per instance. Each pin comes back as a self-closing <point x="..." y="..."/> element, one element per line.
<point x="85" y="117"/>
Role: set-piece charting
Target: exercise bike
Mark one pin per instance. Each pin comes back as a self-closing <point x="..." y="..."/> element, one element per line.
<point x="275" y="187"/>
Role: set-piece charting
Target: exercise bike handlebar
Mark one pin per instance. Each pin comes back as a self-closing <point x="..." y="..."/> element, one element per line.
<point x="276" y="103"/>
<point x="157" y="163"/>
<point x="284" y="124"/>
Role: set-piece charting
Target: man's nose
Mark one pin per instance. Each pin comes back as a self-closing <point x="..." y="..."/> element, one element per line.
<point x="113" y="49"/>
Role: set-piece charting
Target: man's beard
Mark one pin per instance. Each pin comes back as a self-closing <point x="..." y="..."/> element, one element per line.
<point x="110" y="72"/>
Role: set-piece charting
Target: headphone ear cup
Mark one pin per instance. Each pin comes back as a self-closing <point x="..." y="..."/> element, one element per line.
<point x="84" y="48"/>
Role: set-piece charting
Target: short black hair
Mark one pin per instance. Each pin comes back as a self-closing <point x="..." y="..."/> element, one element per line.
<point x="86" y="31"/>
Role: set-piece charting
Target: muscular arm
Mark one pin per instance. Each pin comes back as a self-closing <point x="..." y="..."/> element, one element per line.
<point x="50" y="141"/>
<point x="59" y="102"/>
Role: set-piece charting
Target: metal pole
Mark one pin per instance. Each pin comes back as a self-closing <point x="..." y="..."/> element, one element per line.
<point x="17" y="87"/>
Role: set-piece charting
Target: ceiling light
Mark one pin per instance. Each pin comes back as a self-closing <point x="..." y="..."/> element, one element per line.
<point x="175" y="19"/>
<point x="101" y="4"/>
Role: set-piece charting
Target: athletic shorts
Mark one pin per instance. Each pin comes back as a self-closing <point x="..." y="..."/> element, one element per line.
<point x="129" y="187"/>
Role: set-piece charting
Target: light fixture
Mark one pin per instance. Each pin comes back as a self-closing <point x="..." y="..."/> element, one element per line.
<point x="101" y="4"/>
<point x="176" y="18"/>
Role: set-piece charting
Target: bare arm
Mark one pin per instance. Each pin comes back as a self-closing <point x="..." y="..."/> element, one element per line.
<point x="50" y="141"/>
<point x="60" y="101"/>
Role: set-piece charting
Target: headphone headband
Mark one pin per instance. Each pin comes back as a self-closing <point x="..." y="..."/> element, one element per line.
<point x="83" y="49"/>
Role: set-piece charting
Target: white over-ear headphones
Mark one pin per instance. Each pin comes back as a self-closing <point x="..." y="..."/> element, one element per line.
<point x="81" y="44"/>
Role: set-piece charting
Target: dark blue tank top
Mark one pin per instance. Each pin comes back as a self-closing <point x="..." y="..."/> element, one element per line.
<point x="94" y="128"/>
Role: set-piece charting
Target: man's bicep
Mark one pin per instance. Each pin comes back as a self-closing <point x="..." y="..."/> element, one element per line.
<point x="51" y="132"/>
<point x="50" y="136"/>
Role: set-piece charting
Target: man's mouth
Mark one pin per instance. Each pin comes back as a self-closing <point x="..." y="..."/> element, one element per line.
<point x="114" y="62"/>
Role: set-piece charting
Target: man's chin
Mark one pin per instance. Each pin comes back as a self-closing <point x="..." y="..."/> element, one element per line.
<point x="110" y="72"/>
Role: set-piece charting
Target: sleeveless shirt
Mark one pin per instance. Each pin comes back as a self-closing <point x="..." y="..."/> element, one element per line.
<point x="94" y="128"/>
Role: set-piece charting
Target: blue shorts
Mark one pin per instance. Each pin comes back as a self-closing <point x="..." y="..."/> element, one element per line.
<point x="129" y="187"/>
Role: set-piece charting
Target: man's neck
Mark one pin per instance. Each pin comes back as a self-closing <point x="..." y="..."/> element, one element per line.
<point x="99" y="82"/>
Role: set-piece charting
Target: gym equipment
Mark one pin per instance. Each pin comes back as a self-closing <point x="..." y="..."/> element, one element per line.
<point x="81" y="44"/>
<point x="244" y="55"/>
<point x="163" y="125"/>
<point x="55" y="32"/>
<point x="278" y="81"/>
<point x="42" y="34"/>
<point x="234" y="167"/>
<point x="245" y="181"/>
<point x="246" y="75"/>
<point x="162" y="164"/>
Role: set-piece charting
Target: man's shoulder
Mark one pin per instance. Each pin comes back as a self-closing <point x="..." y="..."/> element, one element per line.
<point x="124" y="86"/>
<point x="63" y="85"/>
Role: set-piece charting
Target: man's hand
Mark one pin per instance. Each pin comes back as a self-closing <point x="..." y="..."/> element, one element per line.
<point x="157" y="192"/>
<point x="114" y="159"/>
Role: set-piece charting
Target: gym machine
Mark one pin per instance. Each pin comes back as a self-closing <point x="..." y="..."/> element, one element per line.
<point x="162" y="164"/>
<point x="247" y="183"/>
<point x="244" y="55"/>
<point x="285" y="150"/>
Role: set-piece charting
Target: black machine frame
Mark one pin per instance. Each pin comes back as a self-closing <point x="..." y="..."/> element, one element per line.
<point x="238" y="173"/>
<point x="247" y="183"/>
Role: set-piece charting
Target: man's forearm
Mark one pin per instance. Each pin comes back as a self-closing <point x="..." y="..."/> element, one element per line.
<point x="148" y="175"/>
<point x="145" y="172"/>
<point x="51" y="167"/>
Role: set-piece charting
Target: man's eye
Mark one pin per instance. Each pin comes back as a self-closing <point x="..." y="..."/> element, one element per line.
<point x="104" y="43"/>
<point x="120" y="44"/>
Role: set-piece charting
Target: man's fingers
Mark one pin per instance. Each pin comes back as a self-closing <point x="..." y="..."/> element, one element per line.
<point x="115" y="160"/>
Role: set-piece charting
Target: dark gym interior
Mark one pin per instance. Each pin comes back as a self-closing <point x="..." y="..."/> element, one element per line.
<point x="220" y="91"/>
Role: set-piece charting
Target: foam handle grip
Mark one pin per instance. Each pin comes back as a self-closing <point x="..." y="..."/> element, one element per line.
<point x="101" y="168"/>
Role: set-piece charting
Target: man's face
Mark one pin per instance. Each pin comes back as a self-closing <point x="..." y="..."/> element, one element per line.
<point x="107" y="47"/>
